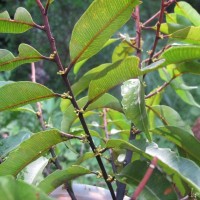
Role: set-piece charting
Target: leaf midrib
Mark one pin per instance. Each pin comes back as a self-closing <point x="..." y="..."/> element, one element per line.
<point x="100" y="31"/>
<point x="24" y="102"/>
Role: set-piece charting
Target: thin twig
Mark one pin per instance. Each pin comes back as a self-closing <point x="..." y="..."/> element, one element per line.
<point x="73" y="100"/>
<point x="161" y="87"/>
<point x="145" y="178"/>
<point x="157" y="37"/>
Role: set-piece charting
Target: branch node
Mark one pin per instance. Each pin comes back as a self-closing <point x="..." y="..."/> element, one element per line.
<point x="79" y="111"/>
<point x="84" y="139"/>
<point x="66" y="95"/>
<point x="98" y="151"/>
<point x="99" y="174"/>
<point x="110" y="178"/>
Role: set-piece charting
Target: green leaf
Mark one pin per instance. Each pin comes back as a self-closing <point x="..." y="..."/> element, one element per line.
<point x="174" y="18"/>
<point x="27" y="54"/>
<point x="22" y="21"/>
<point x="113" y="75"/>
<point x="84" y="157"/>
<point x="59" y="177"/>
<point x="134" y="104"/>
<point x="84" y="81"/>
<point x="181" y="137"/>
<point x="17" y="94"/>
<point x="132" y="176"/>
<point x="178" y="54"/>
<point x="182" y="90"/>
<point x="100" y="21"/>
<point x="177" y="167"/>
<point x="34" y="170"/>
<point x="29" y="150"/>
<point x="192" y="66"/>
<point x="168" y="116"/>
<point x="186" y="10"/>
<point x="168" y="28"/>
<point x="106" y="101"/>
<point x="122" y="51"/>
<point x="11" y="189"/>
<point x="10" y="143"/>
<point x="78" y="65"/>
<point x="189" y="35"/>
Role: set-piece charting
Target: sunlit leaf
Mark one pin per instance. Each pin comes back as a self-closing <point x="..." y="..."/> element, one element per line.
<point x="11" y="189"/>
<point x="122" y="51"/>
<point x="29" y="150"/>
<point x="97" y="25"/>
<point x="78" y="65"/>
<point x="112" y="76"/>
<point x="173" y="18"/>
<point x="59" y="177"/>
<point x="178" y="54"/>
<point x="185" y="9"/>
<point x="22" y="21"/>
<point x="134" y="104"/>
<point x="17" y="94"/>
<point x="168" y="28"/>
<point x="189" y="34"/>
<point x="27" y="54"/>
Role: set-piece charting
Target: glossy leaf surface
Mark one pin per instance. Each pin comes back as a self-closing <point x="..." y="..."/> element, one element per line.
<point x="178" y="167"/>
<point x="157" y="187"/>
<point x="134" y="104"/>
<point x="181" y="138"/>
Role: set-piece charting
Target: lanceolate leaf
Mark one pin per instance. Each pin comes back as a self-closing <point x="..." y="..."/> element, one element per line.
<point x="177" y="19"/>
<point x="27" y="54"/>
<point x="59" y="177"/>
<point x="11" y="189"/>
<point x="79" y="64"/>
<point x="168" y="28"/>
<point x="178" y="54"/>
<point x="178" y="167"/>
<point x="182" y="90"/>
<point x="134" y="104"/>
<point x="180" y="137"/>
<point x="112" y="76"/>
<point x="189" y="34"/>
<point x="17" y="94"/>
<point x="192" y="66"/>
<point x="106" y="101"/>
<point x="157" y="187"/>
<point x="165" y="115"/>
<point x="186" y="10"/>
<point x="29" y="150"/>
<point x="22" y="21"/>
<point x="100" y="21"/>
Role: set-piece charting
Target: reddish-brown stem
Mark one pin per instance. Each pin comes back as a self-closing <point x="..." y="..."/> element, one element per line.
<point x="73" y="100"/>
<point x="136" y="17"/>
<point x="145" y="178"/>
<point x="157" y="37"/>
<point x="151" y="19"/>
<point x="161" y="87"/>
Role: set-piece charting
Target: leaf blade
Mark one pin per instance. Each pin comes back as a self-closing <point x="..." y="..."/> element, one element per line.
<point x="97" y="25"/>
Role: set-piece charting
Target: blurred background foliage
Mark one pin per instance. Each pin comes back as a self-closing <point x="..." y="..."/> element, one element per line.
<point x="63" y="16"/>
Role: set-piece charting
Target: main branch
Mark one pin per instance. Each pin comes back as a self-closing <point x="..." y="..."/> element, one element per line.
<point x="73" y="100"/>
